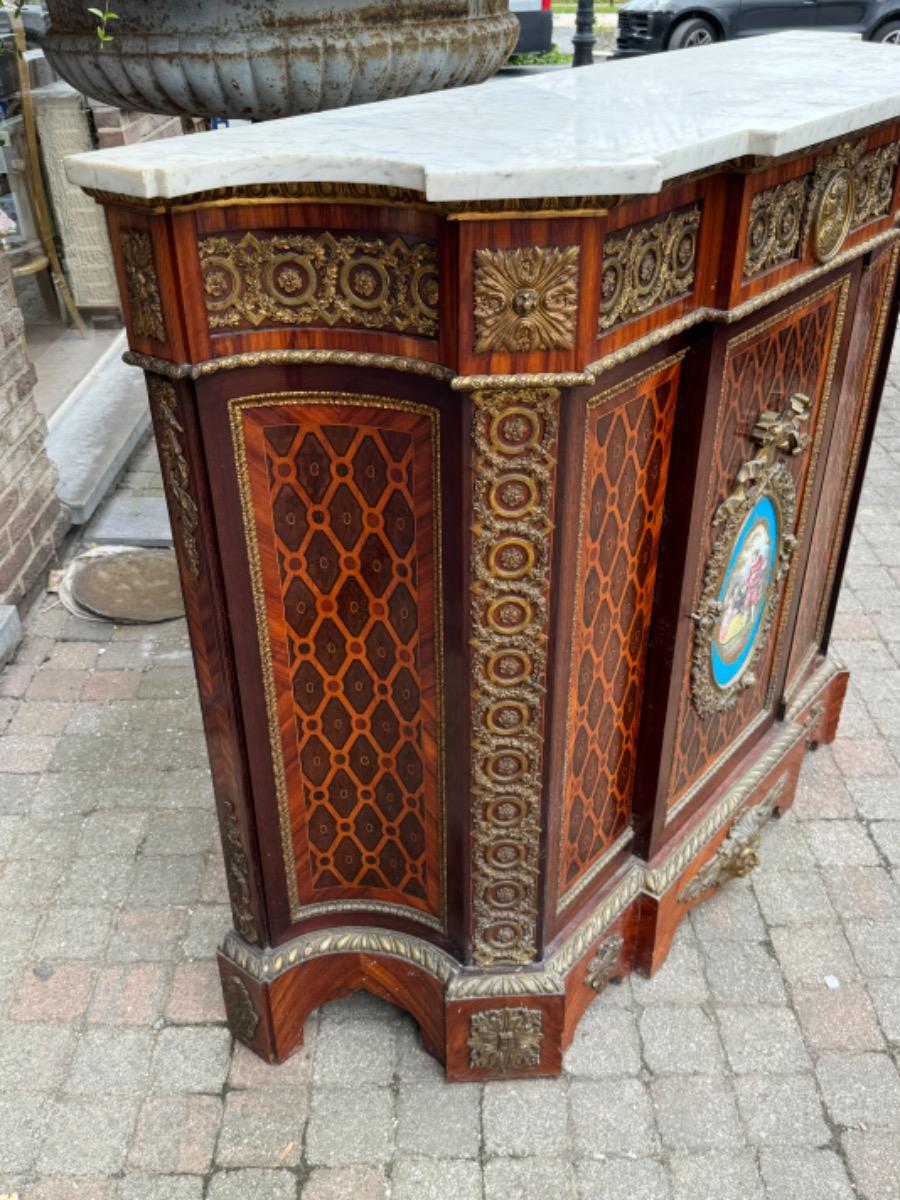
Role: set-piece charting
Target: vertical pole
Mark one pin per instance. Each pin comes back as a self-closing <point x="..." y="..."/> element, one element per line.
<point x="584" y="39"/>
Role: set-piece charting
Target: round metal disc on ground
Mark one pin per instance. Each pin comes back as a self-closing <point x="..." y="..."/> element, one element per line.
<point x="135" y="587"/>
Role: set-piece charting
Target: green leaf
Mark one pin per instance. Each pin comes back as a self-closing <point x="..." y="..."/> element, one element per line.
<point x="95" y="12"/>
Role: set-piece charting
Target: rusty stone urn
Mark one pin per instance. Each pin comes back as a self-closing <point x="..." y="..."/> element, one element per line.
<point x="261" y="59"/>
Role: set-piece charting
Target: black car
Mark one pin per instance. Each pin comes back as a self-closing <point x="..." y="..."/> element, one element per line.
<point x="648" y="25"/>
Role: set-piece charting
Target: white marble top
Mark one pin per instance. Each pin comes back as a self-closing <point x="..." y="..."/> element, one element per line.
<point x="618" y="127"/>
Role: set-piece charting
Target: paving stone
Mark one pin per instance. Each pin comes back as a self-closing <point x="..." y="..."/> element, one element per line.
<point x="612" y="1118"/>
<point x="260" y="1128"/>
<point x="874" y="1160"/>
<point x="110" y="685"/>
<point x="17" y="930"/>
<point x="762" y="1035"/>
<point x="29" y="882"/>
<point x="886" y="835"/>
<point x="863" y="756"/>
<point x="252" y="1185"/>
<point x="809" y="953"/>
<point x="167" y="879"/>
<point x="718" y="1175"/>
<point x="523" y="1179"/>
<point x="346" y="1183"/>
<point x="860" y="1089"/>
<point x="347" y="1127"/>
<point x="112" y="833"/>
<point x="876" y="946"/>
<point x="57" y="1188"/>
<point x="180" y="833"/>
<point x="192" y="1059"/>
<point x="431" y="1179"/>
<point x="781" y="1109"/>
<point x="40" y="839"/>
<point x="436" y="1121"/>
<point x="25" y="755"/>
<point x="206" y="925"/>
<point x="196" y="995"/>
<point x="863" y="893"/>
<point x="679" y="1040"/>
<point x="160" y="1187"/>
<point x="127" y="995"/>
<point x="77" y="932"/>
<point x="53" y="993"/>
<point x="696" y="1112"/>
<point x="841" y="843"/>
<point x="797" y="1174"/>
<point x="111" y="1062"/>
<point x="92" y="881"/>
<point x="17" y="791"/>
<point x="23" y="1122"/>
<point x="149" y="934"/>
<point x="793" y="898"/>
<point x="163" y="683"/>
<point x="622" y="1179"/>
<point x="875" y="798"/>
<point x="360" y="1050"/>
<point x="784" y="847"/>
<point x="86" y="1137"/>
<point x="743" y="974"/>
<point x="680" y="980"/>
<point x="528" y="1116"/>
<point x="732" y="914"/>
<point x="48" y="683"/>
<point x="838" y="1018"/>
<point x="41" y="717"/>
<point x="822" y="797"/>
<point x="249" y="1071"/>
<point x="176" y="1134"/>
<point x="885" y="996"/>
<point x="413" y="1060"/>
<point x="605" y="1043"/>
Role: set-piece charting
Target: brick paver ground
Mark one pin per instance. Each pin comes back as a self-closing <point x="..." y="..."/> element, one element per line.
<point x="761" y="1062"/>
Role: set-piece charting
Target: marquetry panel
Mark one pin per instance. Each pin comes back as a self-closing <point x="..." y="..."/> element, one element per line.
<point x="343" y="501"/>
<point x="625" y="466"/>
<point x="793" y="352"/>
<point x="318" y="278"/>
<point x="850" y="421"/>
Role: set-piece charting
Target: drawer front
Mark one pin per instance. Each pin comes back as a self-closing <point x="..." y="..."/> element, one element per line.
<point x="840" y="469"/>
<point x="756" y="508"/>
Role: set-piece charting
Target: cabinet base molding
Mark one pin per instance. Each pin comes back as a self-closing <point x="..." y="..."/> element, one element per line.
<point x="512" y="1024"/>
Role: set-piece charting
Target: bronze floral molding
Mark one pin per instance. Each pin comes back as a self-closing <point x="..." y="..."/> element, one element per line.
<point x="604" y="962"/>
<point x="505" y="1039"/>
<point x="144" y="303"/>
<point x="745" y="567"/>
<point x="176" y="473"/>
<point x="513" y="480"/>
<point x="243" y="1019"/>
<point x="648" y="265"/>
<point x="775" y="225"/>
<point x="526" y="299"/>
<point x="321" y="279"/>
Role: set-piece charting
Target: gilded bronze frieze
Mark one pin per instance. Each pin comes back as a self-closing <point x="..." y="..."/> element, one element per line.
<point x="775" y="225"/>
<point x="526" y="299"/>
<point x="514" y="473"/>
<point x="175" y="470"/>
<point x="358" y="280"/>
<point x="648" y="265"/>
<point x="243" y="1019"/>
<point x="144" y="303"/>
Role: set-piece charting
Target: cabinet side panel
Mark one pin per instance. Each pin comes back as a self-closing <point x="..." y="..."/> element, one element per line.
<point x="342" y="511"/>
<point x="624" y="471"/>
<point x="850" y="419"/>
<point x="792" y="352"/>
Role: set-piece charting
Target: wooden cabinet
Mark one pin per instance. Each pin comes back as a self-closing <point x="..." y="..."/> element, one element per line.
<point x="510" y="536"/>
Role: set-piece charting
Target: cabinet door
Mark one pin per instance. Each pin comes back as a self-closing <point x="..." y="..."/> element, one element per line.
<point x="842" y="465"/>
<point x="765" y="426"/>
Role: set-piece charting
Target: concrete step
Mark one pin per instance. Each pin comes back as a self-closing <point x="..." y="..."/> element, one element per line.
<point x="129" y="520"/>
<point x="95" y="434"/>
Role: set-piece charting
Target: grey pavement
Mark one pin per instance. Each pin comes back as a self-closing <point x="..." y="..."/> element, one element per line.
<point x="761" y="1063"/>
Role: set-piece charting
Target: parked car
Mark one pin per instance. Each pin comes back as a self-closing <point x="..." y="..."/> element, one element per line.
<point x="649" y="25"/>
<point x="535" y="26"/>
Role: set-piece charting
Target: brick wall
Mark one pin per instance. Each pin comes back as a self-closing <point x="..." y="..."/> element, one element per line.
<point x="119" y="127"/>
<point x="32" y="521"/>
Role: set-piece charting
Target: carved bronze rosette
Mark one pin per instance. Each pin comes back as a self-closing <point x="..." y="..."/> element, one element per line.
<point x="648" y="265"/>
<point x="321" y="279"/>
<point x="775" y="225"/>
<point x="604" y="962"/>
<point x="526" y="299"/>
<point x="739" y="852"/>
<point x="243" y="1019"/>
<point x="144" y="303"/>
<point x="505" y="1039"/>
<point x="175" y="470"/>
<point x="750" y="556"/>
<point x="514" y="472"/>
